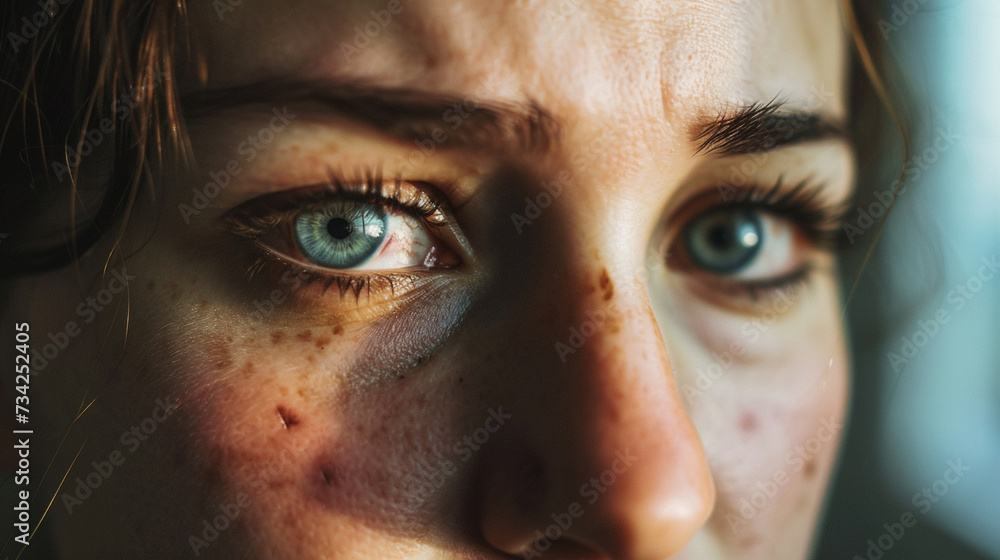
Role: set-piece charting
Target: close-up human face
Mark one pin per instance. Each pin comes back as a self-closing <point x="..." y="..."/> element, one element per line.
<point x="471" y="279"/>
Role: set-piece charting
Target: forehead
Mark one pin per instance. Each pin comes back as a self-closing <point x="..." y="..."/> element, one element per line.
<point x="624" y="59"/>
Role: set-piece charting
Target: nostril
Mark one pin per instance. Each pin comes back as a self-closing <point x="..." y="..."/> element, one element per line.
<point x="288" y="418"/>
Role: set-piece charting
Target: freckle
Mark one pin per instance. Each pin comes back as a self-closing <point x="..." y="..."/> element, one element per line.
<point x="304" y="335"/>
<point x="219" y="353"/>
<point x="810" y="469"/>
<point x="338" y="329"/>
<point x="301" y="392"/>
<point x="151" y="284"/>
<point x="750" y="541"/>
<point x="288" y="420"/>
<point x="202" y="304"/>
<point x="283" y="390"/>
<point x="229" y="338"/>
<point x="606" y="286"/>
<point x="311" y="359"/>
<point x="322" y="341"/>
<point x="748" y="422"/>
<point x="459" y="380"/>
<point x="277" y="336"/>
<point x="175" y="290"/>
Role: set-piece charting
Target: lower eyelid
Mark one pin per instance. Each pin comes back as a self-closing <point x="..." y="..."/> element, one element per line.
<point x="747" y="297"/>
<point x="378" y="292"/>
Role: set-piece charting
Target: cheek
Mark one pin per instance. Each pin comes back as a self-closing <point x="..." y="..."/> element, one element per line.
<point x="770" y="421"/>
<point x="771" y="456"/>
<point x="277" y="419"/>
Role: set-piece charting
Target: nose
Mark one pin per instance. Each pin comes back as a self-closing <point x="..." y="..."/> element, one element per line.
<point x="605" y="461"/>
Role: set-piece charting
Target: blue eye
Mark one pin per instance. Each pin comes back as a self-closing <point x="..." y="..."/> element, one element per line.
<point x="342" y="235"/>
<point x="724" y="241"/>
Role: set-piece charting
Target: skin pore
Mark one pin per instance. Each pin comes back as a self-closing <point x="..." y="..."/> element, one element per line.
<point x="453" y="411"/>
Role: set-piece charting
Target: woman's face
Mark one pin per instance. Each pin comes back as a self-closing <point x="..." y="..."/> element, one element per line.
<point x="471" y="280"/>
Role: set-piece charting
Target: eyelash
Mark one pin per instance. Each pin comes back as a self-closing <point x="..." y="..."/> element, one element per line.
<point x="820" y="223"/>
<point x="269" y="213"/>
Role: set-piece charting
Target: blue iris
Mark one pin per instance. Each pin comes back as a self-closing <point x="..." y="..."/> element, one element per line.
<point x="724" y="241"/>
<point x="342" y="235"/>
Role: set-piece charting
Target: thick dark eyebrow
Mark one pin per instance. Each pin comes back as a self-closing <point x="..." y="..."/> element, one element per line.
<point x="403" y="114"/>
<point x="762" y="127"/>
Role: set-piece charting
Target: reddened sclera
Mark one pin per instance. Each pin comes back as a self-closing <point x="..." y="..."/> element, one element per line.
<point x="388" y="334"/>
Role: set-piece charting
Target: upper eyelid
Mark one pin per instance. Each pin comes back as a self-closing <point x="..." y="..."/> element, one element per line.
<point x="270" y="209"/>
<point x="820" y="219"/>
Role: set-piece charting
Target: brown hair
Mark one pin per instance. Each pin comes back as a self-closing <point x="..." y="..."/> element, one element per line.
<point x="76" y="67"/>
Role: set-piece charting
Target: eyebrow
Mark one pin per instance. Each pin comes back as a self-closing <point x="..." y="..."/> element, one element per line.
<point x="404" y="114"/>
<point x="763" y="127"/>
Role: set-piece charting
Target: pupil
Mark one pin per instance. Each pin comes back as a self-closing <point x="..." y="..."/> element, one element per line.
<point x="339" y="228"/>
<point x="721" y="237"/>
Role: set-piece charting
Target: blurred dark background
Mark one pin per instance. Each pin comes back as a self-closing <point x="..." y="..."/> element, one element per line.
<point x="926" y="395"/>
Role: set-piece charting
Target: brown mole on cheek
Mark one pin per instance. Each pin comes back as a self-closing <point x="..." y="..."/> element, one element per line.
<point x="322" y="341"/>
<point x="606" y="286"/>
<point x="304" y="335"/>
<point x="748" y="422"/>
<point x="338" y="330"/>
<point x="810" y="468"/>
<point x="277" y="336"/>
